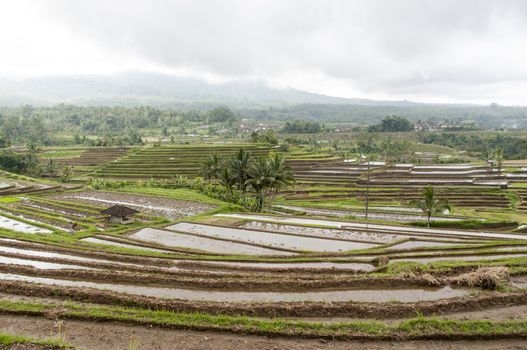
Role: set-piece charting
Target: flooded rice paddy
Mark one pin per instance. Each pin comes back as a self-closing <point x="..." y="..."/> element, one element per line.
<point x="369" y="295"/>
<point x="271" y="239"/>
<point x="123" y="245"/>
<point x="40" y="264"/>
<point x="394" y="229"/>
<point x="425" y="260"/>
<point x="422" y="244"/>
<point x="519" y="281"/>
<point x="20" y="226"/>
<point x="322" y="232"/>
<point x="376" y="215"/>
<point x="176" y="239"/>
<point x="357" y="266"/>
<point x="47" y="254"/>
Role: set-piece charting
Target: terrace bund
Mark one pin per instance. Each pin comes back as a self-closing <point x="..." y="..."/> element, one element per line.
<point x="343" y="171"/>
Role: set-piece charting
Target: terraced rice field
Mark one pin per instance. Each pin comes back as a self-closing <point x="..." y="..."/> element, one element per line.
<point x="19" y="226"/>
<point x="339" y="170"/>
<point x="169" y="161"/>
<point x="157" y="206"/>
<point x="270" y="239"/>
<point x="179" y="259"/>
<point x="82" y="160"/>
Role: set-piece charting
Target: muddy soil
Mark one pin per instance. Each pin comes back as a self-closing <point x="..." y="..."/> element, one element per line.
<point x="157" y="206"/>
<point x="112" y="336"/>
<point x="402" y="217"/>
<point x="299" y="309"/>
<point x="322" y="232"/>
<point x="370" y="295"/>
<point x="432" y="232"/>
<point x="271" y="239"/>
<point x="204" y="244"/>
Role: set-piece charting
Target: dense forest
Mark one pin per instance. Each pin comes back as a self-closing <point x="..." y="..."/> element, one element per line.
<point x="492" y="116"/>
<point x="40" y="124"/>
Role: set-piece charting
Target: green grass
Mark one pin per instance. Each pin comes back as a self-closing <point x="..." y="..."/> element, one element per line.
<point x="515" y="265"/>
<point x="8" y="340"/>
<point x="9" y="199"/>
<point x="420" y="327"/>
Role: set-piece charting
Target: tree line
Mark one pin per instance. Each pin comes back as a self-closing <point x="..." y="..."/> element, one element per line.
<point x="42" y="125"/>
<point x="484" y="146"/>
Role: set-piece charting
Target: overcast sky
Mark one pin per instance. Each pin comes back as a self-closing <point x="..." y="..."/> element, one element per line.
<point x="440" y="50"/>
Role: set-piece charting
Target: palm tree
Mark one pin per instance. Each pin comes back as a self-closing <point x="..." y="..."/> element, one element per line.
<point x="283" y="173"/>
<point x="261" y="178"/>
<point x="498" y="157"/>
<point x="211" y="168"/>
<point x="67" y="173"/>
<point x="429" y="204"/>
<point x="240" y="165"/>
<point x="50" y="167"/>
<point x="226" y="179"/>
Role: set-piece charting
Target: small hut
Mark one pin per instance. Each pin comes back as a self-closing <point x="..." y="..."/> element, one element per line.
<point x="119" y="214"/>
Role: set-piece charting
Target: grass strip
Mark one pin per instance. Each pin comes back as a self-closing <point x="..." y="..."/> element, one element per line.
<point x="416" y="328"/>
<point x="51" y="343"/>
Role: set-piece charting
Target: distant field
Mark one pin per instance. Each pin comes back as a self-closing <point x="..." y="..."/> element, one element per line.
<point x="169" y="161"/>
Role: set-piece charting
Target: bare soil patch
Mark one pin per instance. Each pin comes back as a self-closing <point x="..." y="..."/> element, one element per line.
<point x="157" y="206"/>
<point x="111" y="335"/>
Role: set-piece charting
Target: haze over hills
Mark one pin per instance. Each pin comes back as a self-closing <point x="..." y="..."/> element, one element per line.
<point x="161" y="90"/>
<point x="249" y="98"/>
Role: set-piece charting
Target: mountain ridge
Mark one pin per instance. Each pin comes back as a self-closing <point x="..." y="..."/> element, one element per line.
<point x="161" y="90"/>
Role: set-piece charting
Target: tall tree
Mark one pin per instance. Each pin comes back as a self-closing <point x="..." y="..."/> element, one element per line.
<point x="430" y="204"/>
<point x="283" y="174"/>
<point x="498" y="157"/>
<point x="226" y="179"/>
<point x="51" y="167"/>
<point x="261" y="178"/>
<point x="240" y="165"/>
<point x="211" y="168"/>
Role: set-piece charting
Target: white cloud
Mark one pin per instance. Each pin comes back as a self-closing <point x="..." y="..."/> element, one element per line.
<point x="448" y="50"/>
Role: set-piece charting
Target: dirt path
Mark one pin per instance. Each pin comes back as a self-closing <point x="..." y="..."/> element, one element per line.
<point x="115" y="336"/>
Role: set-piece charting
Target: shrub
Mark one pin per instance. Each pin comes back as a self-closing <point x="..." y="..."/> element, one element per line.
<point x="485" y="277"/>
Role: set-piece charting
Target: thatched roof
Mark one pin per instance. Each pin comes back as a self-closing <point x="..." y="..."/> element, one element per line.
<point x="119" y="211"/>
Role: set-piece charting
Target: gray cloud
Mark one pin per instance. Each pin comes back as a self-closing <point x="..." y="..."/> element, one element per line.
<point x="384" y="47"/>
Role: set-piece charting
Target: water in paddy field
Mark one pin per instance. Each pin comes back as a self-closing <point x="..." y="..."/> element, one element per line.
<point x="271" y="239"/>
<point x="305" y="265"/>
<point x="176" y="239"/>
<point x="323" y="232"/>
<point x="46" y="254"/>
<point x="358" y="225"/>
<point x="422" y="244"/>
<point x="365" y="295"/>
<point x="40" y="264"/>
<point x="399" y="217"/>
<point x="425" y="260"/>
<point x="123" y="245"/>
<point x="519" y="281"/>
<point x="20" y="226"/>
